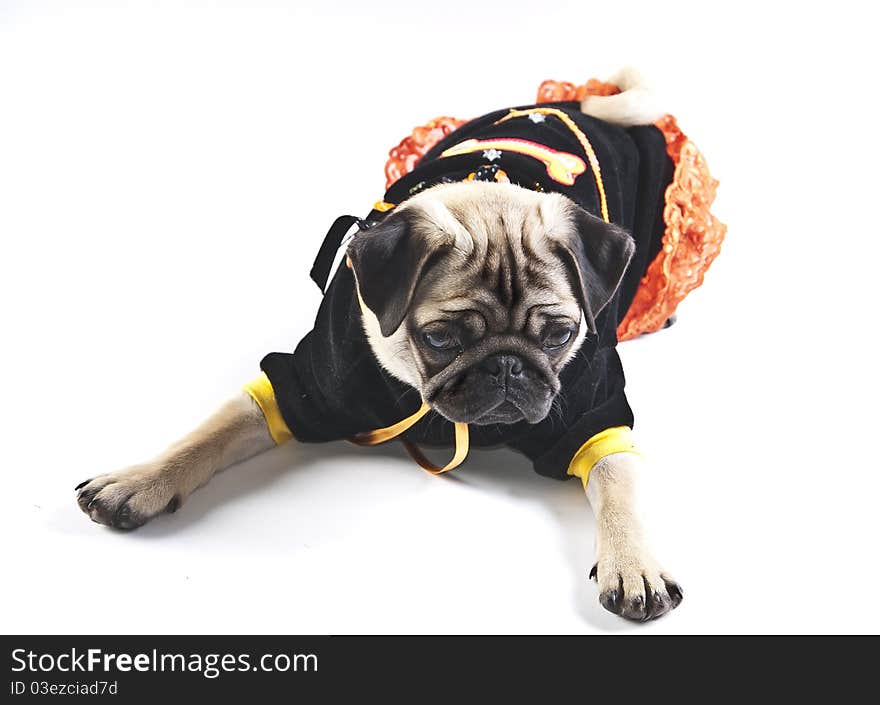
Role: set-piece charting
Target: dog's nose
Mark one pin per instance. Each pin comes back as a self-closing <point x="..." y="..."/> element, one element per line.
<point x="501" y="367"/>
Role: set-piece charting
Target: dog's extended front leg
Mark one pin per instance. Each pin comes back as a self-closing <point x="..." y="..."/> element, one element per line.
<point x="129" y="498"/>
<point x="631" y="583"/>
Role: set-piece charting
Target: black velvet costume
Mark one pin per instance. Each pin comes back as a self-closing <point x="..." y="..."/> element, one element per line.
<point x="332" y="387"/>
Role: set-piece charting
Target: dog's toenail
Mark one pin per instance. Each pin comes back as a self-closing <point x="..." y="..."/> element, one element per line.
<point x="675" y="593"/>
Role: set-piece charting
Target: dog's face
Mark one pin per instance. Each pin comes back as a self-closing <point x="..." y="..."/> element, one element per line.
<point x="477" y="294"/>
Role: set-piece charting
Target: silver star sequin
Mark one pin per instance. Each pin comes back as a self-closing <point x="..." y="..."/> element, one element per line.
<point x="537" y="117"/>
<point x="491" y="154"/>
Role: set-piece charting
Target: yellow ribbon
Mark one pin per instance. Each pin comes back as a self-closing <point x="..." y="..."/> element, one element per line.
<point x="380" y="435"/>
<point x="612" y="440"/>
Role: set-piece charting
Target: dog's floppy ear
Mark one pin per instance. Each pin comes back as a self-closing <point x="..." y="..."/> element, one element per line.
<point x="388" y="260"/>
<point x="597" y="255"/>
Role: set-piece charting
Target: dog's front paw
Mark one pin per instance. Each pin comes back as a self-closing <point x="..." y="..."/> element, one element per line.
<point x="128" y="499"/>
<point x="632" y="585"/>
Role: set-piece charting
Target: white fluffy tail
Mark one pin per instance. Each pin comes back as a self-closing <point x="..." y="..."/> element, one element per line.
<point x="634" y="105"/>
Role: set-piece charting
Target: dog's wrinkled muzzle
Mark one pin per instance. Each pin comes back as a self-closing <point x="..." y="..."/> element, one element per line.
<point x="500" y="346"/>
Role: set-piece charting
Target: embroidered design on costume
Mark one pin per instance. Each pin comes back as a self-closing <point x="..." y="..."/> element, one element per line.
<point x="562" y="167"/>
<point x="581" y="138"/>
<point x="489" y="172"/>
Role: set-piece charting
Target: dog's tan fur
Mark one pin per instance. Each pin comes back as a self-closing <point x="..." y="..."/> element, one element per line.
<point x="625" y="570"/>
<point x="235" y="432"/>
<point x="473" y="218"/>
<point x="238" y="431"/>
<point x="477" y="217"/>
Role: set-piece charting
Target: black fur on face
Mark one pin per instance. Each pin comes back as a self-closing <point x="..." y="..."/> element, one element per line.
<point x="490" y="341"/>
<point x="500" y="379"/>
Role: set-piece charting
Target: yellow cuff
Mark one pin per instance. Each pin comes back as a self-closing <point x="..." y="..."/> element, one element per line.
<point x="261" y="391"/>
<point x="617" y="439"/>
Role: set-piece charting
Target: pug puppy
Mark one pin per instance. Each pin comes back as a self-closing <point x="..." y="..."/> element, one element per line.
<point x="486" y="291"/>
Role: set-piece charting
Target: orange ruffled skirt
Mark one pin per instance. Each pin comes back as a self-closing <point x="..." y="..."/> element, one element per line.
<point x="692" y="237"/>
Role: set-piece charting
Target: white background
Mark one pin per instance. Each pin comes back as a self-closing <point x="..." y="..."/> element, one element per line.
<point x="159" y="213"/>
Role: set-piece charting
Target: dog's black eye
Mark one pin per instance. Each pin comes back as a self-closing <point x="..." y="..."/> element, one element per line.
<point x="558" y="338"/>
<point x="440" y="340"/>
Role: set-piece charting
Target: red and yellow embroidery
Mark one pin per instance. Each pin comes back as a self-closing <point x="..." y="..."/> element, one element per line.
<point x="562" y="167"/>
<point x="489" y="172"/>
<point x="584" y="142"/>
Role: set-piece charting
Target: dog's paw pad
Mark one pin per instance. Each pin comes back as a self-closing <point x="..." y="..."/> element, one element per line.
<point x="126" y="518"/>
